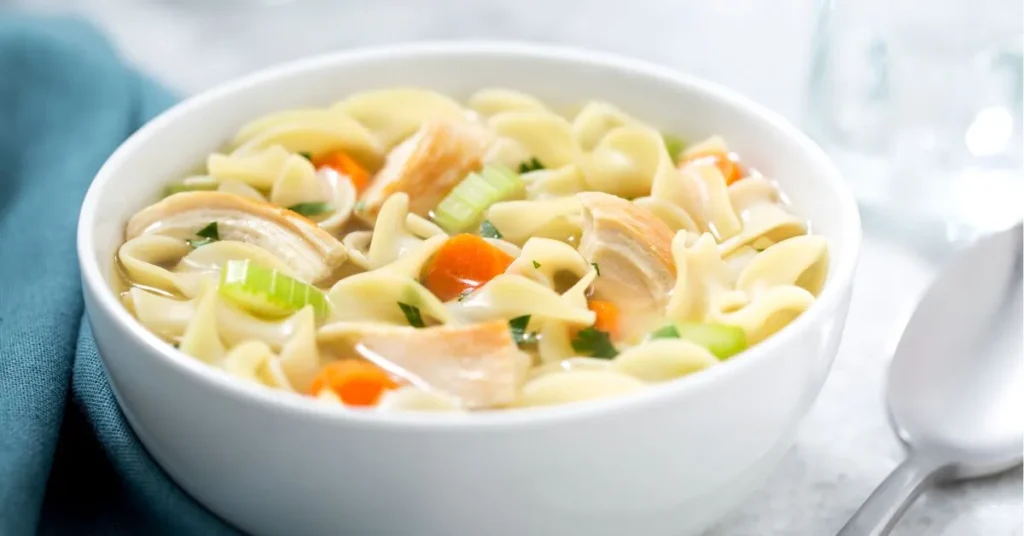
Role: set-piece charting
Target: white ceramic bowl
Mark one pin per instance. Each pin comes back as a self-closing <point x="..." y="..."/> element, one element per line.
<point x="670" y="460"/>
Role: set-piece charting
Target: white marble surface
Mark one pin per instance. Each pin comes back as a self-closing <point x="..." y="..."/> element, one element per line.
<point x="845" y="447"/>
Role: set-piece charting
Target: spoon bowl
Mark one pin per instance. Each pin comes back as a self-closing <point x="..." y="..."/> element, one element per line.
<point x="956" y="389"/>
<point x="956" y="383"/>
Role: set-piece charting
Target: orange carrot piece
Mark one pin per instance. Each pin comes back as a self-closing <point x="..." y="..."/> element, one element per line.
<point x="607" y="316"/>
<point x="730" y="168"/>
<point x="463" y="263"/>
<point x="346" y="166"/>
<point x="357" y="383"/>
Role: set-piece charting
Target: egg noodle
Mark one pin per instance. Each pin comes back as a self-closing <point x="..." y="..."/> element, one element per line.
<point x="401" y="251"/>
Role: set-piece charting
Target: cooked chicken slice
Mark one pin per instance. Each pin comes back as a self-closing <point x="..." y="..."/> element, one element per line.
<point x="633" y="251"/>
<point x="426" y="166"/>
<point x="478" y="363"/>
<point x="308" y="250"/>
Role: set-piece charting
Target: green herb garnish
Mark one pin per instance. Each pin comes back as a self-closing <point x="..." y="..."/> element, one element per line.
<point x="206" y="235"/>
<point x="536" y="264"/>
<point x="596" y="268"/>
<point x="359" y="206"/>
<point x="488" y="230"/>
<point x="412" y="314"/>
<point x="594" y="343"/>
<point x="530" y="165"/>
<point x="307" y="156"/>
<point x="518" y="327"/>
<point x="311" y="209"/>
<point x="664" y="332"/>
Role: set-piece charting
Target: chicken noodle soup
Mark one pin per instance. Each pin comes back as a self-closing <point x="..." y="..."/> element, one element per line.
<point x="402" y="251"/>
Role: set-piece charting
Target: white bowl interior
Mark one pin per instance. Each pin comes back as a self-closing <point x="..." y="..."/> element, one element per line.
<point x="178" y="141"/>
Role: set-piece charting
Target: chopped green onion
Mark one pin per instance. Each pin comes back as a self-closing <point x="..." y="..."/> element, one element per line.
<point x="530" y="165"/>
<point x="412" y="314"/>
<point x="488" y="230"/>
<point x="307" y="156"/>
<point x="466" y="203"/>
<point x="674" y="145"/>
<point x="311" y="209"/>
<point x="206" y="235"/>
<point x="665" y="332"/>
<point x="192" y="184"/>
<point x="536" y="264"/>
<point x="267" y="292"/>
<point x="596" y="268"/>
<point x="594" y="343"/>
<point x="722" y="340"/>
<point x="518" y="328"/>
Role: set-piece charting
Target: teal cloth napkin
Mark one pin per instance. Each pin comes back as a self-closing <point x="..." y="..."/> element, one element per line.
<point x="69" y="463"/>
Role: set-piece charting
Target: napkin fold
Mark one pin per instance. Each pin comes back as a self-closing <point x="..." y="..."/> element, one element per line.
<point x="69" y="463"/>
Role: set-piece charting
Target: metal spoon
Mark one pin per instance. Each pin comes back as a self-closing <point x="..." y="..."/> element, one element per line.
<point x="956" y="388"/>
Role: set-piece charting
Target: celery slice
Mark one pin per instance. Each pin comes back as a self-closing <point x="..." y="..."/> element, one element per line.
<point x="674" y="145"/>
<point x="192" y="184"/>
<point x="267" y="292"/>
<point x="464" y="206"/>
<point x="722" y="340"/>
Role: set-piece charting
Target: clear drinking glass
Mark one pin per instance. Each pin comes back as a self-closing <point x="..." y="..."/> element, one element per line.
<point x="920" y="104"/>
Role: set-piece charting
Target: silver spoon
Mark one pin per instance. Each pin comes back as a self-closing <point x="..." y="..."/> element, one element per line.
<point x="956" y="388"/>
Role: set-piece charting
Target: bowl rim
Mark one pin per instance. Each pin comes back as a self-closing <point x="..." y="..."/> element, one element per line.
<point x="304" y="407"/>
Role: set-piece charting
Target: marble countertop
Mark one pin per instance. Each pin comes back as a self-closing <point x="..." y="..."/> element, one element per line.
<point x="845" y="447"/>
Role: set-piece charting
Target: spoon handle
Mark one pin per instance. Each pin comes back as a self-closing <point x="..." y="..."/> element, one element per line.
<point x="878" y="515"/>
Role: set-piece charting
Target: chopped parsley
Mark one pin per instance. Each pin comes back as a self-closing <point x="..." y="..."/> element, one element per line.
<point x="412" y="314"/>
<point x="206" y="235"/>
<point x="488" y="230"/>
<point x="665" y="332"/>
<point x="518" y="327"/>
<point x="536" y="264"/>
<point x="594" y="343"/>
<point x="530" y="165"/>
<point x="307" y="156"/>
<point x="311" y="209"/>
<point x="596" y="268"/>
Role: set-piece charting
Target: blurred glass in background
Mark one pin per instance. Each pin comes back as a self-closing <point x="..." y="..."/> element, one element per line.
<point x="919" y="103"/>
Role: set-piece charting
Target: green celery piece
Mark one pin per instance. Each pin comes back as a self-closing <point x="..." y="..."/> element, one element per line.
<point x="192" y="184"/>
<point x="465" y="204"/>
<point x="674" y="145"/>
<point x="722" y="340"/>
<point x="267" y="292"/>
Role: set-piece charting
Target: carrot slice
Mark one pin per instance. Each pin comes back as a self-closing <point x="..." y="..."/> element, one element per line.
<point x="346" y="166"/>
<point x="357" y="383"/>
<point x="607" y="316"/>
<point x="464" y="262"/>
<point x="730" y="168"/>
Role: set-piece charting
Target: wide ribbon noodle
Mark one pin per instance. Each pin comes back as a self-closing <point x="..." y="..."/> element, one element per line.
<point x="401" y="251"/>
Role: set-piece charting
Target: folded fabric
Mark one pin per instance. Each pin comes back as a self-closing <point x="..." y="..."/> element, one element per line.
<point x="69" y="463"/>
